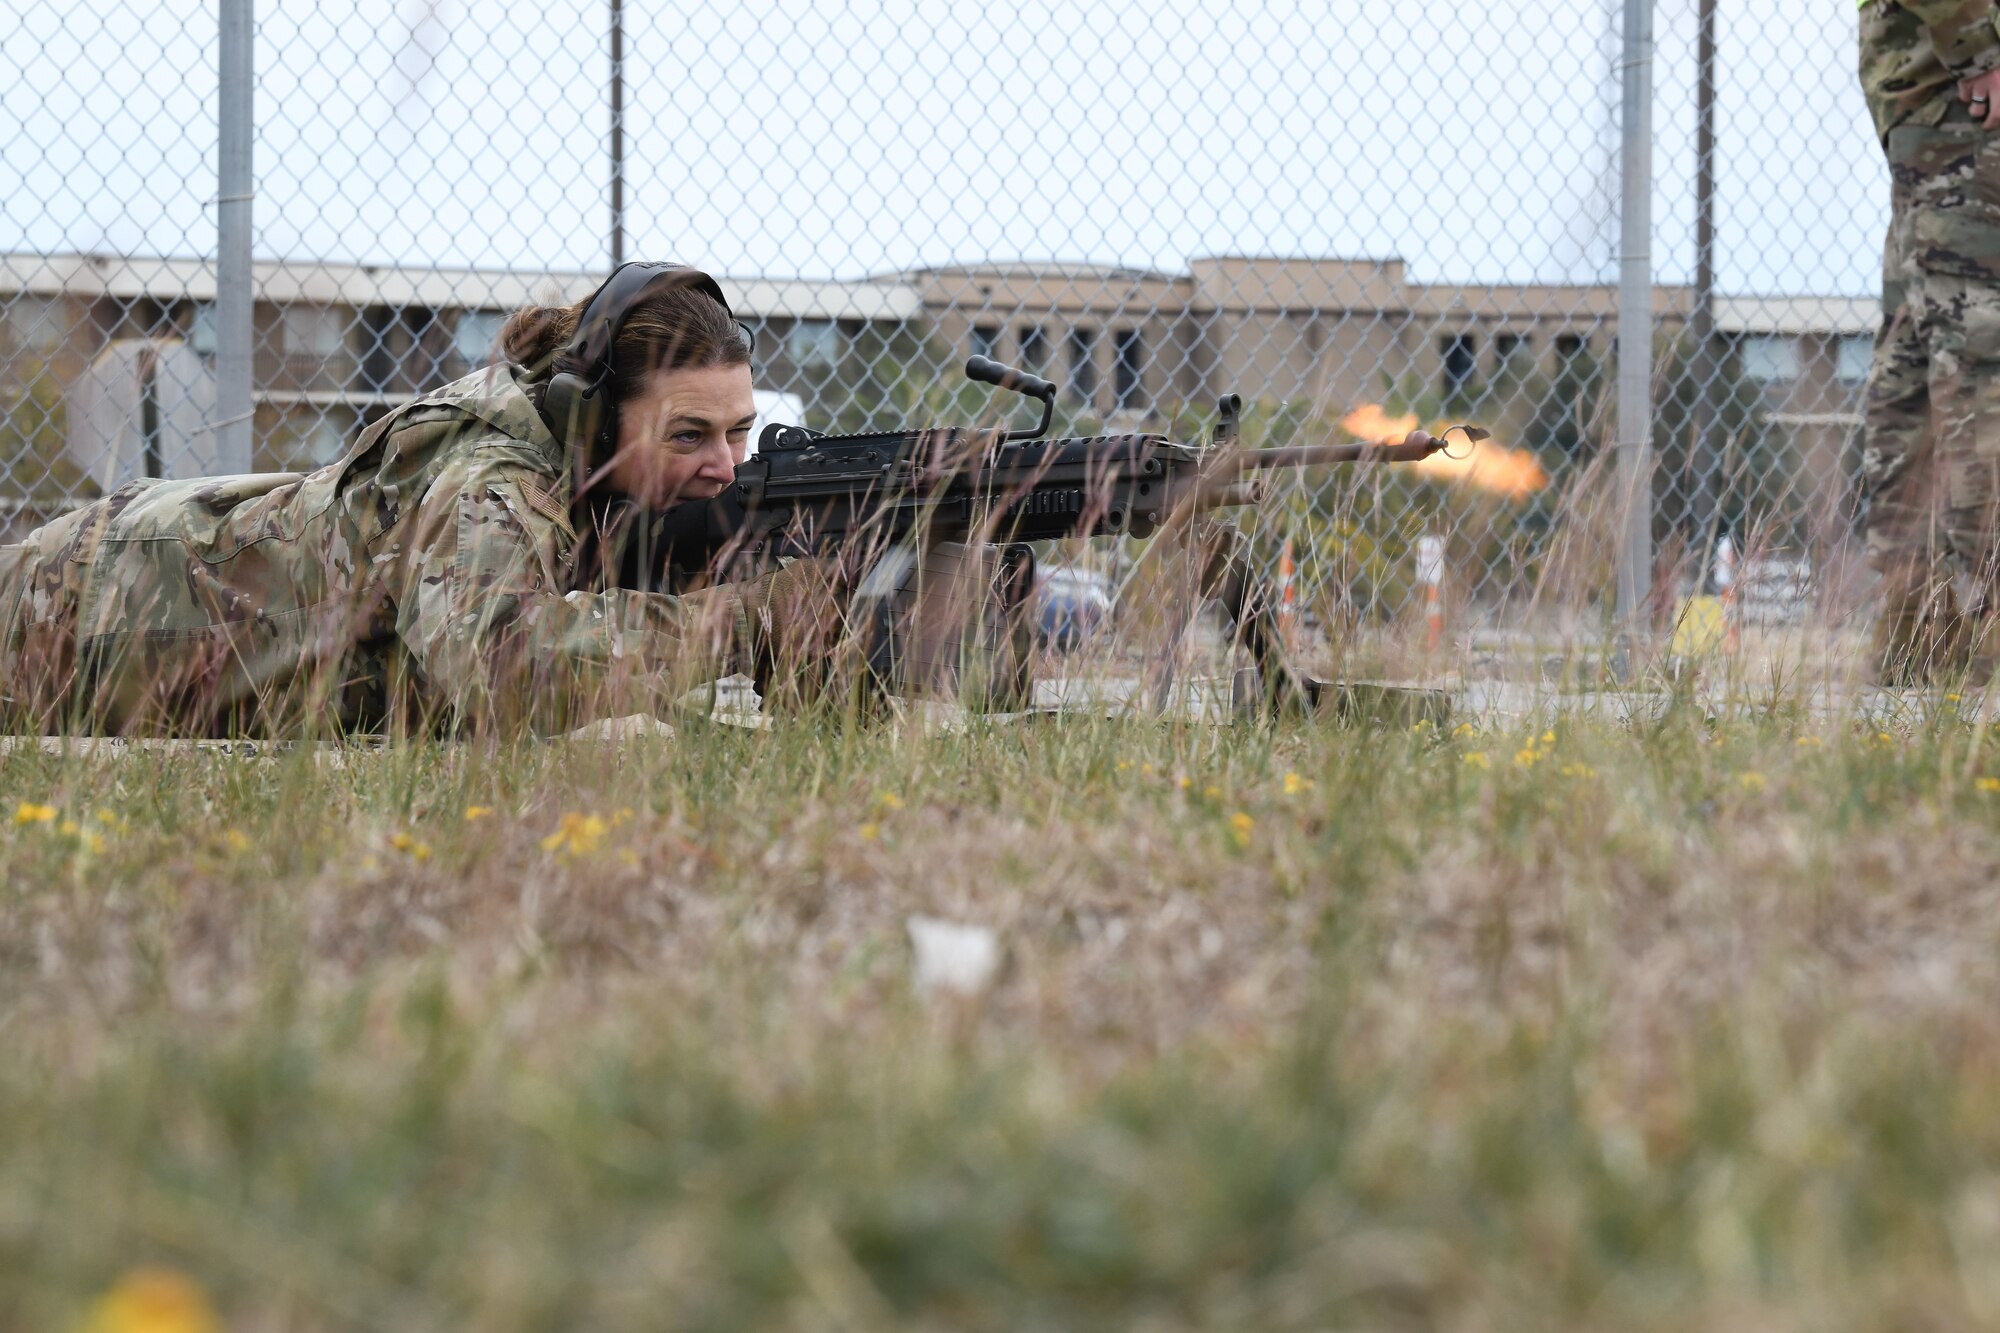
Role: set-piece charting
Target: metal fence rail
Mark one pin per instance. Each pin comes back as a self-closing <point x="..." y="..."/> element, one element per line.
<point x="1624" y="248"/>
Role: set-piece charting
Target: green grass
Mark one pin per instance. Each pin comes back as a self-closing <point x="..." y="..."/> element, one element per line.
<point x="1663" y="1027"/>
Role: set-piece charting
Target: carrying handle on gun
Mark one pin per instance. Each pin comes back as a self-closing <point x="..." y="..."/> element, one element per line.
<point x="985" y="370"/>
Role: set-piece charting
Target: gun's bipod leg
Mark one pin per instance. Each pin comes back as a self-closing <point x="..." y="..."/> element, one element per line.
<point x="1232" y="581"/>
<point x="1203" y="561"/>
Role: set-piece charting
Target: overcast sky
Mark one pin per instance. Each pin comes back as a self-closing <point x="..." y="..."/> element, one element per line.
<point x="805" y="138"/>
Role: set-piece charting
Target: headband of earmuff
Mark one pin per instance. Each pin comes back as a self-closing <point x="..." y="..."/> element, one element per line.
<point x="580" y="402"/>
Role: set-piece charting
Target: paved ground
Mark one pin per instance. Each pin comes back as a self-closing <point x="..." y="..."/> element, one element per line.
<point x="1208" y="699"/>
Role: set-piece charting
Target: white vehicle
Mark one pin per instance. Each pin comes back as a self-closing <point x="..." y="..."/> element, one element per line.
<point x="143" y="409"/>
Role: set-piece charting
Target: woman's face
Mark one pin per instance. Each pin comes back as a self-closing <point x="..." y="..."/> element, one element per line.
<point x="683" y="435"/>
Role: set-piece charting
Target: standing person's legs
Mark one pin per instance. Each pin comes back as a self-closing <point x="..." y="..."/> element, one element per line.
<point x="1900" y="483"/>
<point x="1965" y="414"/>
<point x="1950" y="176"/>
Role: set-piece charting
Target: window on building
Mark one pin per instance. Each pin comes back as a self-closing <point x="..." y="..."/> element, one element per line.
<point x="1128" y="369"/>
<point x="813" y="344"/>
<point x="1570" y="346"/>
<point x="313" y="330"/>
<point x="1083" y="364"/>
<point x="1507" y="346"/>
<point x="476" y="334"/>
<point x="1853" y="355"/>
<point x="985" y="340"/>
<point x="1034" y="348"/>
<point x="1769" y="358"/>
<point x="1460" y="360"/>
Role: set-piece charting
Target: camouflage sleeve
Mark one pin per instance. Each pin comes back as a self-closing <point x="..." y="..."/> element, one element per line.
<point x="1963" y="33"/>
<point x="479" y="606"/>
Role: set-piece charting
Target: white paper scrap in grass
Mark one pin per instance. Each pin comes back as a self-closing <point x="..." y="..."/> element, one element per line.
<point x="953" y="957"/>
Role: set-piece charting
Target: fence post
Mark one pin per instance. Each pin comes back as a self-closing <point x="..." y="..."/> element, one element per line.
<point x="1704" y="467"/>
<point x="617" y="133"/>
<point x="234" y="192"/>
<point x="1635" y="321"/>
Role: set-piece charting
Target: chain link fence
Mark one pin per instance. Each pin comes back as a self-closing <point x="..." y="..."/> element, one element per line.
<point x="1363" y="218"/>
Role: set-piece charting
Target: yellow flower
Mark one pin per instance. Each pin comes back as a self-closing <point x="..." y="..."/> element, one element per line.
<point x="578" y="834"/>
<point x="1987" y="784"/>
<point x="870" y="831"/>
<point x="1751" y="782"/>
<point x="403" y="842"/>
<point x="888" y="800"/>
<point x="29" y="813"/>
<point x="1421" y="724"/>
<point x="1525" y="758"/>
<point x="1464" y="729"/>
<point x="152" y="1300"/>
<point x="473" y="812"/>
<point x="69" y="828"/>
<point x="622" y="815"/>
<point x="1145" y="770"/>
<point x="1294" y="784"/>
<point x="93" y="844"/>
<point x="1548" y="738"/>
<point x="1478" y="759"/>
<point x="1212" y="792"/>
<point x="238" y="840"/>
<point x="1808" y="742"/>
<point x="1953" y="698"/>
<point x="1240" y="825"/>
<point x="1578" y="771"/>
<point x="1122" y="765"/>
<point x="1185" y="781"/>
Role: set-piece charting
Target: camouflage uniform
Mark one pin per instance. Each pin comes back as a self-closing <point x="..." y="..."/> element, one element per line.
<point x="429" y="569"/>
<point x="1932" y="440"/>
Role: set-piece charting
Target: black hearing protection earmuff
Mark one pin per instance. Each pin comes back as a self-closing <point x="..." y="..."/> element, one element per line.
<point x="580" y="401"/>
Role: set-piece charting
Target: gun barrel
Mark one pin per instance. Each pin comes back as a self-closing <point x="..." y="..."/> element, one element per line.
<point x="1417" y="444"/>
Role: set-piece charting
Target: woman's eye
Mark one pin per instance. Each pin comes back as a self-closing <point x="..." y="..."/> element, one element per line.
<point x="688" y="439"/>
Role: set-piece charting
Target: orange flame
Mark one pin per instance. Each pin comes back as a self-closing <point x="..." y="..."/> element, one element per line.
<point x="1513" y="474"/>
<point x="1369" y="422"/>
<point x="1488" y="465"/>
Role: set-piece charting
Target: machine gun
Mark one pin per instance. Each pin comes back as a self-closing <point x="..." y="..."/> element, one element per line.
<point x="938" y="511"/>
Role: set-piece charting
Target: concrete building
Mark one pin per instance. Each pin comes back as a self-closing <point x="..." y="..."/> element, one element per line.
<point x="1338" y="332"/>
<point x="338" y="344"/>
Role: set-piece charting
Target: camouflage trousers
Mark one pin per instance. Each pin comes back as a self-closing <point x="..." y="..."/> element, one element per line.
<point x="1930" y="468"/>
<point x="41" y="594"/>
<point x="50" y="683"/>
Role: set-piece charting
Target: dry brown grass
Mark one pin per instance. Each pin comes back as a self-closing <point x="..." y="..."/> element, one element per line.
<point x="1655" y="1026"/>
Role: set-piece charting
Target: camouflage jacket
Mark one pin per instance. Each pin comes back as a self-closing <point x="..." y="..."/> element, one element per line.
<point x="1914" y="52"/>
<point x="432" y="561"/>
